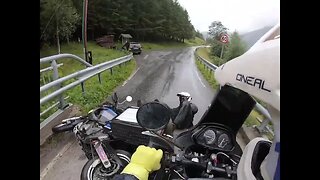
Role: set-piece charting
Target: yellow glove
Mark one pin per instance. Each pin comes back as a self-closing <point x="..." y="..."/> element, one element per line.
<point x="144" y="161"/>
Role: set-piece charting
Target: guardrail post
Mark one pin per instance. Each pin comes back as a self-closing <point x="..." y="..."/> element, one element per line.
<point x="82" y="87"/>
<point x="99" y="77"/>
<point x="43" y="79"/>
<point x="111" y="71"/>
<point x="262" y="127"/>
<point x="55" y="76"/>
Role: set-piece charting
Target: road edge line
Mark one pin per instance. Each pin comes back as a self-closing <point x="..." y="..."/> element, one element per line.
<point x="55" y="159"/>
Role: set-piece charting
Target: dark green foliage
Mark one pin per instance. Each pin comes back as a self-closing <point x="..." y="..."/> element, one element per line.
<point x="216" y="48"/>
<point x="216" y="29"/>
<point x="235" y="48"/>
<point x="199" y="34"/>
<point x="58" y="15"/>
<point x="145" y="20"/>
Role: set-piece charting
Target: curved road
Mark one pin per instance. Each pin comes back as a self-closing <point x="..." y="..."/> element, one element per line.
<point x="163" y="74"/>
<point x="159" y="74"/>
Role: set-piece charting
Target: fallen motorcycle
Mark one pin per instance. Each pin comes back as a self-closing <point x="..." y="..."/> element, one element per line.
<point x="109" y="110"/>
<point x="98" y="125"/>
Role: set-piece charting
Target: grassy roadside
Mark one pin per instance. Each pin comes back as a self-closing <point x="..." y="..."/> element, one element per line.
<point x="95" y="93"/>
<point x="195" y="42"/>
<point x="209" y="76"/>
<point x="205" y="53"/>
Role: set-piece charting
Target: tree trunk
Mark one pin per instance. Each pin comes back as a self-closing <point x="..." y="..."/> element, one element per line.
<point x="138" y="37"/>
<point x="57" y="36"/>
<point x="92" y="34"/>
<point x="68" y="39"/>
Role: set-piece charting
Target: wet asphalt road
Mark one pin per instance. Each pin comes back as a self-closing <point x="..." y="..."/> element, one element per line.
<point x="159" y="74"/>
<point x="163" y="74"/>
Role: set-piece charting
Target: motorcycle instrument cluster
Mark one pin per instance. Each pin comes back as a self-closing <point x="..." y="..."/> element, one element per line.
<point x="214" y="138"/>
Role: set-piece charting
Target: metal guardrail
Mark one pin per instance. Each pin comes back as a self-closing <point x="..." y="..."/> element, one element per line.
<point x="61" y="56"/>
<point x="264" y="124"/>
<point x="45" y="73"/>
<point x="81" y="76"/>
<point x="206" y="62"/>
<point x="51" y="107"/>
<point x="49" y="68"/>
<point x="263" y="127"/>
<point x="210" y="65"/>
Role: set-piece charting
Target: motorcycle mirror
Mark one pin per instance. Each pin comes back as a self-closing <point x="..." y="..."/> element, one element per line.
<point x="129" y="98"/>
<point x="153" y="116"/>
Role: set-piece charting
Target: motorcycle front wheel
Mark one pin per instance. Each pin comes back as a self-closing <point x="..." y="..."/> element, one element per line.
<point x="66" y="126"/>
<point x="94" y="170"/>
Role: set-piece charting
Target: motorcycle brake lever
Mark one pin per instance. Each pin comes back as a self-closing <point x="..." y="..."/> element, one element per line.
<point x="72" y="118"/>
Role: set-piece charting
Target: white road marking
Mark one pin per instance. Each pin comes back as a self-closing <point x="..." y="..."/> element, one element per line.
<point x="200" y="79"/>
<point x="146" y="56"/>
<point x="55" y="159"/>
<point x="130" y="77"/>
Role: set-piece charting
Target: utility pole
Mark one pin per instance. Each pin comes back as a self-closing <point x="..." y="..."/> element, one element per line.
<point x="84" y="28"/>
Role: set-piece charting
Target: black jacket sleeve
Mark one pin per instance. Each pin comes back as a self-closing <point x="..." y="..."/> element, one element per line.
<point x="184" y="117"/>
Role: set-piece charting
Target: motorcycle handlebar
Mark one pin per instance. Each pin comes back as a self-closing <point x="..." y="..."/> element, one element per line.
<point x="154" y="136"/>
<point x="188" y="162"/>
<point x="72" y="118"/>
<point x="218" y="169"/>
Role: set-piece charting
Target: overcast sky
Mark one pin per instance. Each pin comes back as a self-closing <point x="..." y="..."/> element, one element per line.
<point x="240" y="15"/>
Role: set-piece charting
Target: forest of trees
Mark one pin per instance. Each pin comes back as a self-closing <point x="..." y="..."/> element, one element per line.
<point x="145" y="20"/>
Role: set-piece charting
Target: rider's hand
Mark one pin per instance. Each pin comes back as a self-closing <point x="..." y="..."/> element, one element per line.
<point x="144" y="161"/>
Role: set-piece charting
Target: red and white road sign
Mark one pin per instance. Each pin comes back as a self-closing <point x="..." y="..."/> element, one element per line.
<point x="224" y="38"/>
